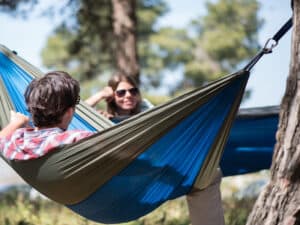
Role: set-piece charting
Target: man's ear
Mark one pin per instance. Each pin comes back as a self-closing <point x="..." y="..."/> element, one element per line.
<point x="67" y="117"/>
<point x="70" y="111"/>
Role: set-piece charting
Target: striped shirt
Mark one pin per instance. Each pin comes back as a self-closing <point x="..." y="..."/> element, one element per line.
<point x="29" y="143"/>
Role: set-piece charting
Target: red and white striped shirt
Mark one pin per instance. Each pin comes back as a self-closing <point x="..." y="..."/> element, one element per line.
<point x="29" y="143"/>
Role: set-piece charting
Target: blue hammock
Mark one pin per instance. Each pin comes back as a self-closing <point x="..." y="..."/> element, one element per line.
<point x="127" y="170"/>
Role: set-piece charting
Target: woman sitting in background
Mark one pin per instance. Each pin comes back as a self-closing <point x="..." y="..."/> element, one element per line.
<point x="122" y="96"/>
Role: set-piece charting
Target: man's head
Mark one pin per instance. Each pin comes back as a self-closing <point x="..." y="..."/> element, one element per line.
<point x="50" y="97"/>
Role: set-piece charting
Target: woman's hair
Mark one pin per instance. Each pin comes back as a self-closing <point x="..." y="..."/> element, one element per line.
<point x="49" y="97"/>
<point x="118" y="77"/>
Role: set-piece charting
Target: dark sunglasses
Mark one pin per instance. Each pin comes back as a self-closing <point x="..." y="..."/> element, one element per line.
<point x="122" y="92"/>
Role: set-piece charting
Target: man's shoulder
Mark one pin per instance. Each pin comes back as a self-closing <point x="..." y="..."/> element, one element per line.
<point x="74" y="135"/>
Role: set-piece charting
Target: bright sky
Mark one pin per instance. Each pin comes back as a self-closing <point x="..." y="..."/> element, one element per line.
<point x="268" y="78"/>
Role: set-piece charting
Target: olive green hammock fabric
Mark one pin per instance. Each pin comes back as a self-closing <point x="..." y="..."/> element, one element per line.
<point x="126" y="170"/>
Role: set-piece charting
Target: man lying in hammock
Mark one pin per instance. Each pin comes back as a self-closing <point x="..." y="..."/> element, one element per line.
<point x="51" y="101"/>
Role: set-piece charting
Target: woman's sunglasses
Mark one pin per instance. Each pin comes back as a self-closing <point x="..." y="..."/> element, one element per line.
<point x="122" y="92"/>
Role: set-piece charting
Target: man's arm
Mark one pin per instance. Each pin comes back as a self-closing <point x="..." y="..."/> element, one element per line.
<point x="17" y="120"/>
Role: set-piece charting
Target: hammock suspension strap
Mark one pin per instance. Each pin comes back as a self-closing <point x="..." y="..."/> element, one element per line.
<point x="270" y="44"/>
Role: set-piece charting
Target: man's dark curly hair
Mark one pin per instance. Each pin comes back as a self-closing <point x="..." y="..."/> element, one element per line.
<point x="49" y="97"/>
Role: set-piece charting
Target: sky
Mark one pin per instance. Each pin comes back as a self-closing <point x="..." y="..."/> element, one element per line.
<point x="268" y="77"/>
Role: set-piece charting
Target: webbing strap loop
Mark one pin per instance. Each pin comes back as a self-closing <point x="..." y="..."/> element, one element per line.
<point x="270" y="44"/>
<point x="282" y="31"/>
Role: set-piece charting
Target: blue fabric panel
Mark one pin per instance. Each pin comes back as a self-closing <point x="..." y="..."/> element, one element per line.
<point x="166" y="170"/>
<point x="16" y="80"/>
<point x="250" y="145"/>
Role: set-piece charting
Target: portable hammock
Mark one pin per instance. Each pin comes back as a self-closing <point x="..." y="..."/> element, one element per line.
<point x="127" y="170"/>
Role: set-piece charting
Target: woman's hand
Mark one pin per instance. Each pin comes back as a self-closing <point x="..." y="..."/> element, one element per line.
<point x="107" y="93"/>
<point x="106" y="114"/>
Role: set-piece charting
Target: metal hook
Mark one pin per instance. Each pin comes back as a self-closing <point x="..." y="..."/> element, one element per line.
<point x="269" y="45"/>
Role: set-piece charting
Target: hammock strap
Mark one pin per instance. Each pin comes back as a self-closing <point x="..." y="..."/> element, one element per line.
<point x="283" y="30"/>
<point x="270" y="44"/>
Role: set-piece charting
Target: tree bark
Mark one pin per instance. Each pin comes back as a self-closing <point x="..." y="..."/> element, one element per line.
<point x="125" y="31"/>
<point x="279" y="202"/>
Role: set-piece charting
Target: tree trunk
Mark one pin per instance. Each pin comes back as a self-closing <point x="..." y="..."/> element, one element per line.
<point x="279" y="203"/>
<point x="125" y="26"/>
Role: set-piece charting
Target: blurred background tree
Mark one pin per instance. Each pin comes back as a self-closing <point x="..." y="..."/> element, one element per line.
<point x="87" y="44"/>
<point x="279" y="201"/>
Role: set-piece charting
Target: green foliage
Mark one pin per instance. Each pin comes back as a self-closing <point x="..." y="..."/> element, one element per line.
<point x="148" y="14"/>
<point x="156" y="99"/>
<point x="213" y="45"/>
<point x="230" y="31"/>
<point x="237" y="210"/>
<point x="166" y="49"/>
<point x="23" y="211"/>
<point x="16" y="208"/>
<point x="58" y="56"/>
<point x="224" y="37"/>
<point x="90" y="44"/>
<point x="221" y="40"/>
<point x="84" y="39"/>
